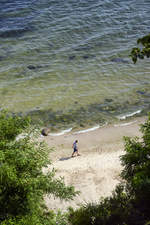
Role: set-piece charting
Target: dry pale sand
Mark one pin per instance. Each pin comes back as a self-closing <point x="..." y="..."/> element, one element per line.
<point x="96" y="172"/>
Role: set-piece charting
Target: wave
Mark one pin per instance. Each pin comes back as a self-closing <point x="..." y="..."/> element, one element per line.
<point x="60" y="133"/>
<point x="123" y="117"/>
<point x="124" y="124"/>
<point x="87" y="130"/>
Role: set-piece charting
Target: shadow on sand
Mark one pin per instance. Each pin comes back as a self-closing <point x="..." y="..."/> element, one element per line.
<point x="65" y="158"/>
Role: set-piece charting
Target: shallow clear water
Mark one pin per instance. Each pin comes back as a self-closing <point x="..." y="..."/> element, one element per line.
<point x="67" y="62"/>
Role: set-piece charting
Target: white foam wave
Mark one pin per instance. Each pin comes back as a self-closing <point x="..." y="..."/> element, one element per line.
<point x="124" y="124"/>
<point x="123" y="117"/>
<point x="60" y="133"/>
<point x="87" y="130"/>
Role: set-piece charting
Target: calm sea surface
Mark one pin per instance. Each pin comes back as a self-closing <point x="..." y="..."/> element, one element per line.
<point x="67" y="62"/>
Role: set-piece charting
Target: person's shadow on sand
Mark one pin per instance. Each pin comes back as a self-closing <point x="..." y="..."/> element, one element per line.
<point x="65" y="158"/>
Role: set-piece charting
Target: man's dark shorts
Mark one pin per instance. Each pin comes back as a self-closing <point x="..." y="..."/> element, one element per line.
<point x="75" y="149"/>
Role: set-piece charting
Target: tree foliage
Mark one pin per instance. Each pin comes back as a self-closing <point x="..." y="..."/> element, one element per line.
<point x="22" y="182"/>
<point x="129" y="203"/>
<point x="138" y="53"/>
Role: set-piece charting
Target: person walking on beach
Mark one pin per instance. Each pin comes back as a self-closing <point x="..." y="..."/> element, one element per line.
<point x="75" y="149"/>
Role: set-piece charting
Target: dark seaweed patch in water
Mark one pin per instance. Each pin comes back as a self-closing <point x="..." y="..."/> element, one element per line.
<point x="58" y="119"/>
<point x="107" y="108"/>
<point x="31" y="67"/>
<point x="108" y="100"/>
<point x="72" y="57"/>
<point x="112" y="109"/>
<point x="83" y="116"/>
<point x="88" y="56"/>
<point x="141" y="92"/>
<point x="144" y="93"/>
<point x="94" y="113"/>
<point x="119" y="60"/>
<point x="15" y="32"/>
<point x="85" y="56"/>
<point x="90" y="115"/>
<point x="2" y="58"/>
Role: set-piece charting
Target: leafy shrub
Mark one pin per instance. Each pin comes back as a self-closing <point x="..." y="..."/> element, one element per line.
<point x="22" y="182"/>
<point x="129" y="203"/>
<point x="138" y="53"/>
<point x="11" y="125"/>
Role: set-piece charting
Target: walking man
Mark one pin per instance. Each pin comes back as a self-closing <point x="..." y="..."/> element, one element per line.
<point x="75" y="149"/>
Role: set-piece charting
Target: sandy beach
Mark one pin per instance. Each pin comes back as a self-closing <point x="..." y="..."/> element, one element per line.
<point x="96" y="172"/>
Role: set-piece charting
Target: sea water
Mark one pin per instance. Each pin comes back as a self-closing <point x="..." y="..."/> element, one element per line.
<point x="67" y="62"/>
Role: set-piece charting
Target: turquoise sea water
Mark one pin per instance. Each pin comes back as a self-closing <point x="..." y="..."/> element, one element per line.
<point x="67" y="62"/>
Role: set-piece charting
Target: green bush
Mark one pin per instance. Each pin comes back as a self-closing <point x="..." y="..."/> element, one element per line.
<point x="111" y="210"/>
<point x="129" y="203"/>
<point x="138" y="53"/>
<point x="11" y="125"/>
<point x="49" y="218"/>
<point x="22" y="182"/>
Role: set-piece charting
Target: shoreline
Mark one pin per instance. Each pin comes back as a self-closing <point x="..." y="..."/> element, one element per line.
<point x="96" y="172"/>
<point x="121" y="128"/>
<point x="124" y="119"/>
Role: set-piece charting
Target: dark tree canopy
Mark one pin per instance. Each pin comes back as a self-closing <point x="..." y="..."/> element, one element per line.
<point x="140" y="53"/>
